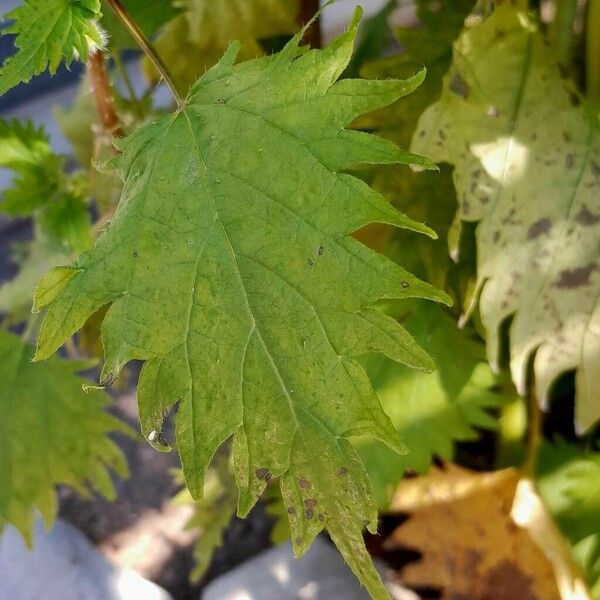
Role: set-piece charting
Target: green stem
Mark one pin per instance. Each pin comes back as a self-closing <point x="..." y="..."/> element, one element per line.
<point x="145" y="45"/>
<point x="534" y="436"/>
<point x="593" y="51"/>
<point x="128" y="84"/>
<point x="308" y="9"/>
<point x="563" y="33"/>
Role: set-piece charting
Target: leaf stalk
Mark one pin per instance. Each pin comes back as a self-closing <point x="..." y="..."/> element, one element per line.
<point x="593" y="51"/>
<point x="147" y="47"/>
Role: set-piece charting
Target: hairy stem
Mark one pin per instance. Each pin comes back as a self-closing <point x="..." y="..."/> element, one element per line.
<point x="308" y="9"/>
<point x="593" y="51"/>
<point x="534" y="436"/>
<point x="145" y="45"/>
<point x="562" y="32"/>
<point x="96" y="68"/>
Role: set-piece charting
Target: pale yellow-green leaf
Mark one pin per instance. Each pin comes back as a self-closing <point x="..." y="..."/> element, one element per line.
<point x="51" y="432"/>
<point x="194" y="41"/>
<point x="16" y="295"/>
<point x="527" y="170"/>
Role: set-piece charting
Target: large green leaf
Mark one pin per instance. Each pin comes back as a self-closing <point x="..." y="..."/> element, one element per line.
<point x="231" y="272"/>
<point x="52" y="432"/>
<point x="196" y="40"/>
<point x="527" y="160"/>
<point x="48" y="32"/>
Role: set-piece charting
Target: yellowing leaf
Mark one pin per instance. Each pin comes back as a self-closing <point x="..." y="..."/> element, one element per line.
<point x="48" y="32"/>
<point x="231" y="272"/>
<point x="527" y="170"/>
<point x="196" y="40"/>
<point x="480" y="537"/>
<point x="51" y="432"/>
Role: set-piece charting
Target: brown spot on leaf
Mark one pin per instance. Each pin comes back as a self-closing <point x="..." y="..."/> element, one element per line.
<point x="459" y="86"/>
<point x="291" y="510"/>
<point x="569" y="161"/>
<point x="405" y="284"/>
<point x="304" y="483"/>
<point x="538" y="228"/>
<point x="320" y="251"/>
<point x="341" y="472"/>
<point x="263" y="474"/>
<point x="507" y="582"/>
<point x="309" y="507"/>
<point x="586" y="217"/>
<point x="574" y="278"/>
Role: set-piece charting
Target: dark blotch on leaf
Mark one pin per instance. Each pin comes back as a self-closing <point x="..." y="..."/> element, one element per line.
<point x="321" y="250"/>
<point x="574" y="278"/>
<point x="405" y="284"/>
<point x="341" y="472"/>
<point x="538" y="228"/>
<point x="459" y="86"/>
<point x="263" y="474"/>
<point x="586" y="217"/>
<point x="311" y="263"/>
<point x="291" y="510"/>
<point x="304" y="483"/>
<point x="569" y="161"/>
<point x="309" y="507"/>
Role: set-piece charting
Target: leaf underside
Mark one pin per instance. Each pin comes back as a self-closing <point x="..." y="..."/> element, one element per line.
<point x="48" y="32"/>
<point x="231" y="272"/>
<point x="51" y="432"/>
<point x="534" y="191"/>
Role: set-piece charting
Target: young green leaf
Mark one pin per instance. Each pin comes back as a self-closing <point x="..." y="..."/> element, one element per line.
<point x="431" y="411"/>
<point x="40" y="186"/>
<point x="26" y="151"/>
<point x="48" y="32"/>
<point x="212" y="513"/>
<point x="569" y="482"/>
<point x="231" y="272"/>
<point x="527" y="158"/>
<point x="52" y="432"/>
<point x="196" y="40"/>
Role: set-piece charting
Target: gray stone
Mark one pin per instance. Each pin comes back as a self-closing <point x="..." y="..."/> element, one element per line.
<point x="64" y="565"/>
<point x="320" y="574"/>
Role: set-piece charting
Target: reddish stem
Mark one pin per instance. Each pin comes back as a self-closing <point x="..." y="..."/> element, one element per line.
<point x="308" y="9"/>
<point x="96" y="68"/>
